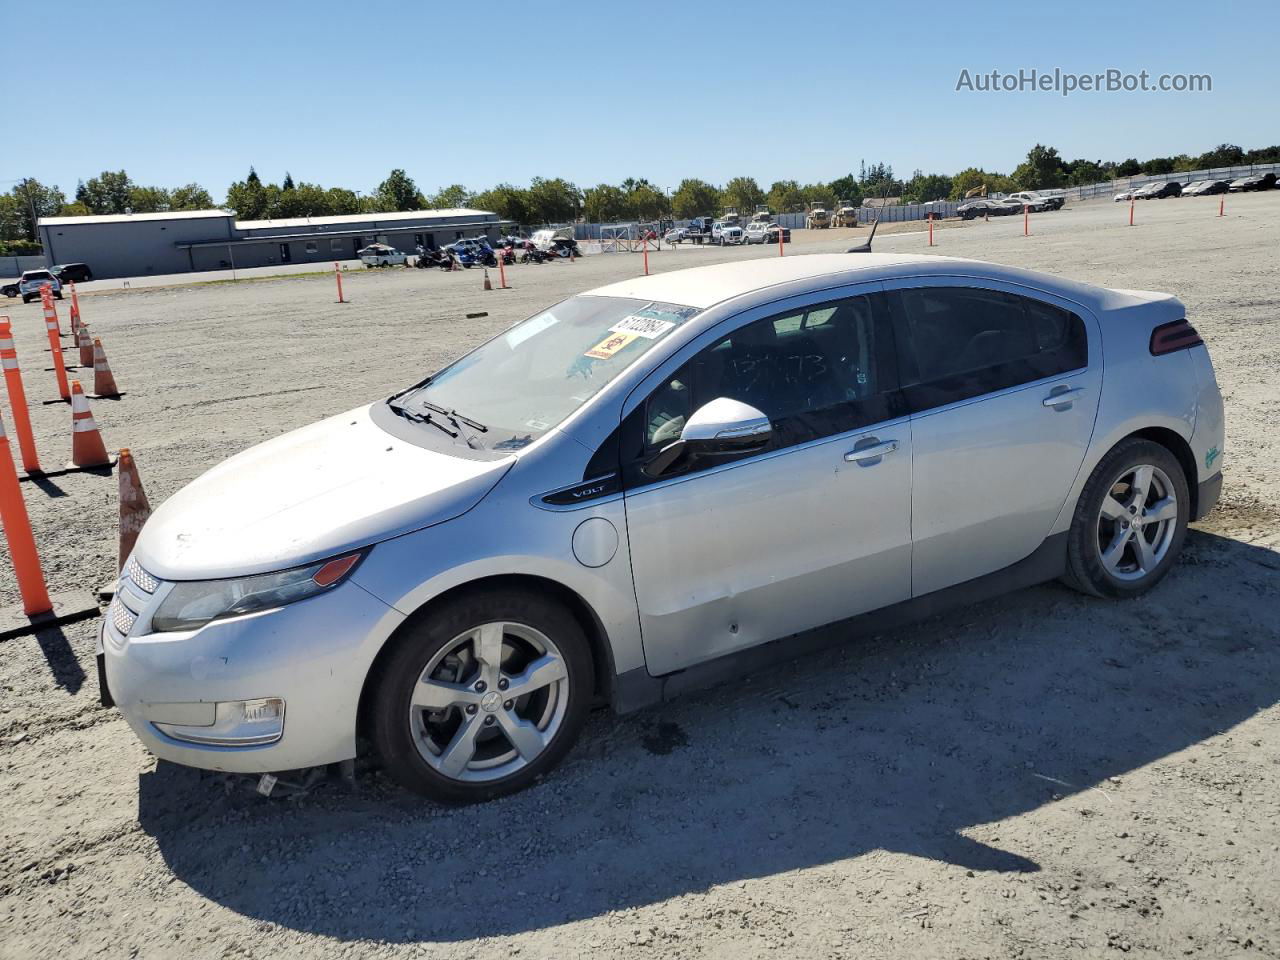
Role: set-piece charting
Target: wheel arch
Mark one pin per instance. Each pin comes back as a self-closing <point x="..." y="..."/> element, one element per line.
<point x="583" y="613"/>
<point x="1181" y="450"/>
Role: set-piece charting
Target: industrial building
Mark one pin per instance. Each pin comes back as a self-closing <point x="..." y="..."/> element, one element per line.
<point x="142" y="244"/>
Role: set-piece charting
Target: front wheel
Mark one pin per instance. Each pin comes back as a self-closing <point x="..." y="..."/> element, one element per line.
<point x="1130" y="521"/>
<point x="483" y="696"/>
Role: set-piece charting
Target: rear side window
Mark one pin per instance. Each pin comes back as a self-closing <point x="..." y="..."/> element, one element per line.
<point x="962" y="342"/>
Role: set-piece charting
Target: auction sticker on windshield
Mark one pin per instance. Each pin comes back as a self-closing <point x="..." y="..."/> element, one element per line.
<point x="649" y="327"/>
<point x="607" y="347"/>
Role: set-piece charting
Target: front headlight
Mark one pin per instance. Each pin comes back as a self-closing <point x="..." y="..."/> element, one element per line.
<point x="192" y="604"/>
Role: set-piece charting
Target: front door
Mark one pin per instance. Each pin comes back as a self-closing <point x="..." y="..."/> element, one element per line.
<point x="285" y="255"/>
<point x="813" y="529"/>
<point x="1003" y="389"/>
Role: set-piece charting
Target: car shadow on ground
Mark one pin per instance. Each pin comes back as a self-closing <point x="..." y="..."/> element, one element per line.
<point x="907" y="742"/>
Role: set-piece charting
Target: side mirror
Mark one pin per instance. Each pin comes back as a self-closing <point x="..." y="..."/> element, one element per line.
<point x="719" y="428"/>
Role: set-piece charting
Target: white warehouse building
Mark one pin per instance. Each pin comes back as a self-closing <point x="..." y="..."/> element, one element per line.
<point x="142" y="244"/>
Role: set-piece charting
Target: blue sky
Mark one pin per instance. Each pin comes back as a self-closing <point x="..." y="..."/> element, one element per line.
<point x="478" y="93"/>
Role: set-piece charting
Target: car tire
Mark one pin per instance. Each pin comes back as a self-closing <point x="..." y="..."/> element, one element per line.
<point x="1105" y="553"/>
<point x="405" y="734"/>
<point x="25" y="298"/>
<point x="58" y="295"/>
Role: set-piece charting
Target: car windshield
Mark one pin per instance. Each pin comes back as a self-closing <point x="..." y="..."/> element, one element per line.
<point x="524" y="382"/>
<point x="38" y="275"/>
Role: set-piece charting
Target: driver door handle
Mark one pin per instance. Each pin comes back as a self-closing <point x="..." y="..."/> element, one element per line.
<point x="1065" y="397"/>
<point x="873" y="452"/>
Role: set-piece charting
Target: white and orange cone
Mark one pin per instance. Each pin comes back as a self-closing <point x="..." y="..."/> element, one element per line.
<point x="87" y="448"/>
<point x="104" y="384"/>
<point x="85" y="343"/>
<point x="134" y="508"/>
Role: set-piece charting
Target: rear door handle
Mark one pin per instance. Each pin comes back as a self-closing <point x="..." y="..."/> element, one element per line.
<point x="1063" y="398"/>
<point x="873" y="452"/>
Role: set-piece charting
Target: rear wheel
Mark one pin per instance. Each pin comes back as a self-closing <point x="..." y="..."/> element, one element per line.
<point x="483" y="697"/>
<point x="1130" y="521"/>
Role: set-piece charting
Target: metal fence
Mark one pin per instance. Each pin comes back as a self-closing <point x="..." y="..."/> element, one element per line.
<point x="14" y="266"/>
<point x="1121" y="184"/>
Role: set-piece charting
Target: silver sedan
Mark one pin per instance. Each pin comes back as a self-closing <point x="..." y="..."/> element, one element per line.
<point x="649" y="487"/>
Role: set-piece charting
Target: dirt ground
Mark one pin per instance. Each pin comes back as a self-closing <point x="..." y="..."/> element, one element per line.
<point x="1040" y="776"/>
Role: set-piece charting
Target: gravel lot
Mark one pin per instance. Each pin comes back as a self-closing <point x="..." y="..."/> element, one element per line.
<point x="1044" y="775"/>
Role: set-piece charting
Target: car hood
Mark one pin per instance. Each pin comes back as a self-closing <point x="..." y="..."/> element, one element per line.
<point x="312" y="493"/>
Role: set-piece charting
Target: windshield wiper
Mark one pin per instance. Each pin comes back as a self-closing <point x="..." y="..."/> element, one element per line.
<point x="410" y="415"/>
<point x="454" y="416"/>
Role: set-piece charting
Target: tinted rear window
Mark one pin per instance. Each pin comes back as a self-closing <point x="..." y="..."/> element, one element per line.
<point x="964" y="342"/>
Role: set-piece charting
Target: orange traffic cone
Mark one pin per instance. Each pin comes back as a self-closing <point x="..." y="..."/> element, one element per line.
<point x="21" y="543"/>
<point x="134" y="508"/>
<point x="487" y="284"/>
<point x="104" y="384"/>
<point x="85" y="343"/>
<point x="87" y="448"/>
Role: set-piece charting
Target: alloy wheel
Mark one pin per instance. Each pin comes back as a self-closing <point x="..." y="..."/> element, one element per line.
<point x="1137" y="522"/>
<point x="489" y="702"/>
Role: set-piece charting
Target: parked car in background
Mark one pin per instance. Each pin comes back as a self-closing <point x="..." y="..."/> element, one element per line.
<point x="1257" y="181"/>
<point x="381" y="255"/>
<point x="986" y="207"/>
<point x="72" y="272"/>
<point x="759" y="231"/>
<point x="9" y="289"/>
<point x="1158" y="191"/>
<point x="1038" y="202"/>
<point x="1200" y="188"/>
<point x="1123" y="195"/>
<point x="726" y="233"/>
<point x="31" y="281"/>
<point x="677" y="235"/>
<point x="646" y="488"/>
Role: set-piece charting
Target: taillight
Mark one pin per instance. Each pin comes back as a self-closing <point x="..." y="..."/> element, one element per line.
<point x="1169" y="337"/>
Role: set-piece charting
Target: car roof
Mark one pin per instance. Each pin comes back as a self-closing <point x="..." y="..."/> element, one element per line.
<point x="702" y="287"/>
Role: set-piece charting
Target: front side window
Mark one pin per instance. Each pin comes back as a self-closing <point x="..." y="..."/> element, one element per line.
<point x="962" y="342"/>
<point x="524" y="382"/>
<point x="814" y="372"/>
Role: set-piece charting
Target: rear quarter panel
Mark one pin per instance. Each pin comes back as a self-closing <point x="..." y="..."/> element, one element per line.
<point x="1139" y="391"/>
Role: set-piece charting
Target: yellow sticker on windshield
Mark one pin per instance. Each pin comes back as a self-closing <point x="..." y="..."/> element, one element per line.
<point x="610" y="345"/>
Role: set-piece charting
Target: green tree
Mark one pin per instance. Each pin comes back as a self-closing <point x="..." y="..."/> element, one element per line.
<point x="450" y="198"/>
<point x="1084" y="172"/>
<point x="877" y="180"/>
<point x="106" y="193"/>
<point x="399" y="192"/>
<point x="819" y="193"/>
<point x="1128" y="168"/>
<point x="192" y="196"/>
<point x="694" y="198"/>
<point x="1223" y="155"/>
<point x="741" y="194"/>
<point x="303" y="200"/>
<point x="784" y="197"/>
<point x="248" y="198"/>
<point x="148" y="199"/>
<point x="553" y="201"/>
<point x="925" y="187"/>
<point x="605" y="203"/>
<point x="846" y="188"/>
<point x="1043" y="169"/>
<point x="288" y="181"/>
<point x="507" y="201"/>
<point x="342" y="201"/>
<point x="646" y="202"/>
<point x="1157" y="165"/>
<point x="35" y="200"/>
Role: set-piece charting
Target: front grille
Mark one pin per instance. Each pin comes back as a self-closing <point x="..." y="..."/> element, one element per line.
<point x="122" y="618"/>
<point x="143" y="580"/>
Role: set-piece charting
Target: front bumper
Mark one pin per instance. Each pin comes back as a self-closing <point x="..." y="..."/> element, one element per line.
<point x="314" y="655"/>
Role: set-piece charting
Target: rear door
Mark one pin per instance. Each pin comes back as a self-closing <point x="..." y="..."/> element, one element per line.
<point x="1002" y="384"/>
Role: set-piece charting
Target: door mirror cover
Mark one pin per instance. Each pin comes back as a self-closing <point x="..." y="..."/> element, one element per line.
<point x="725" y="424"/>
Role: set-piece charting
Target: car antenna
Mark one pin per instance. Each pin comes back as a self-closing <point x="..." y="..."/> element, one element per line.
<point x="865" y="247"/>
